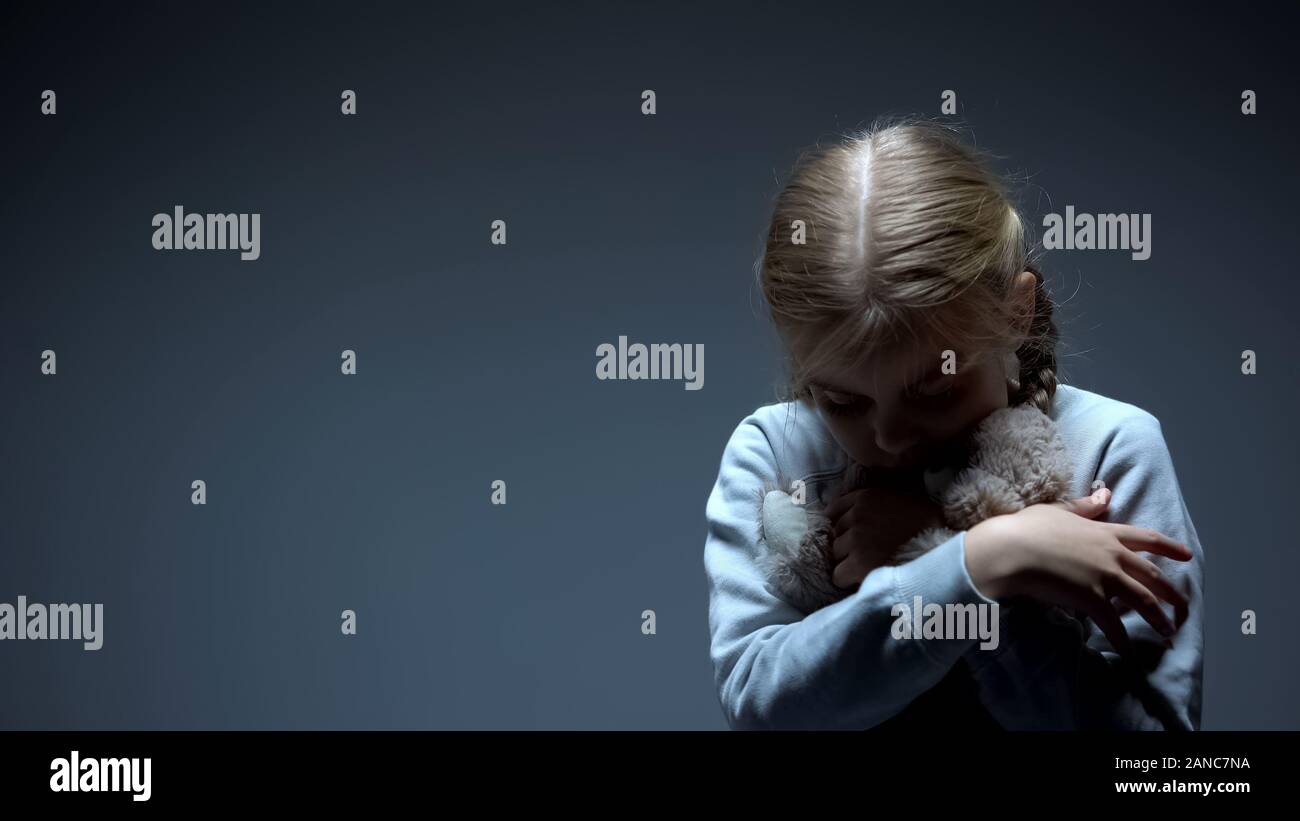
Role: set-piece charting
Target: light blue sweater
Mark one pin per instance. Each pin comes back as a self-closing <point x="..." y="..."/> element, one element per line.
<point x="839" y="667"/>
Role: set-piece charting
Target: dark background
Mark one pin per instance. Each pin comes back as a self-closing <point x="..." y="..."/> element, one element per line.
<point x="477" y="362"/>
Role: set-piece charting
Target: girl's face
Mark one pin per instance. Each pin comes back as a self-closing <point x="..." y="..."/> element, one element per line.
<point x="899" y="410"/>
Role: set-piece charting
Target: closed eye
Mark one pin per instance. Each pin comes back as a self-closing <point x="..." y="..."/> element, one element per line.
<point x="842" y="404"/>
<point x="936" y="393"/>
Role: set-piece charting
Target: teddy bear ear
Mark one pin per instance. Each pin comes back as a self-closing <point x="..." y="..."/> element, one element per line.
<point x="784" y="522"/>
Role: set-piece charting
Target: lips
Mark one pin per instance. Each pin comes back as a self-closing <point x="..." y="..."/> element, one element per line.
<point x="917" y="459"/>
<point x="950" y="453"/>
<point x="900" y="478"/>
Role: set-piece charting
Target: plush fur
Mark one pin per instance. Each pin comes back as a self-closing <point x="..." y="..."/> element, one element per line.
<point x="1015" y="459"/>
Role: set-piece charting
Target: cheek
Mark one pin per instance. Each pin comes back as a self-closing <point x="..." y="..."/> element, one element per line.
<point x="987" y="395"/>
<point x="982" y="394"/>
<point x="854" y="438"/>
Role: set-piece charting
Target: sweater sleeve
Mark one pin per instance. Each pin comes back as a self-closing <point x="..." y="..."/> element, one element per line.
<point x="1052" y="673"/>
<point x="836" y="668"/>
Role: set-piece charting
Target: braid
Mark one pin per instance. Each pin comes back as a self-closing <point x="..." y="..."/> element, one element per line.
<point x="1038" y="353"/>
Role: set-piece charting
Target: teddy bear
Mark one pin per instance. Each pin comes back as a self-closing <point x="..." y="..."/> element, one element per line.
<point x="1014" y="458"/>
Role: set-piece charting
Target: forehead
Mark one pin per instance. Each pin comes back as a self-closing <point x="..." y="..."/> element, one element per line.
<point x="887" y="368"/>
<point x="884" y="368"/>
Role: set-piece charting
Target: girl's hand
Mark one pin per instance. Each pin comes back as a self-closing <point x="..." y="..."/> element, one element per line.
<point x="1056" y="554"/>
<point x="871" y="524"/>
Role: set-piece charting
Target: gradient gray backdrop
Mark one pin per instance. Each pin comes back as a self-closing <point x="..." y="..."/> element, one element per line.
<point x="477" y="362"/>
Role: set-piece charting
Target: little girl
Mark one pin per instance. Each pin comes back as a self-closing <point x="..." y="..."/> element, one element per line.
<point x="891" y="253"/>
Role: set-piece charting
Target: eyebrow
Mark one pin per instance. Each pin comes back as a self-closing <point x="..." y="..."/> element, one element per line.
<point x="832" y="388"/>
<point x="928" y="376"/>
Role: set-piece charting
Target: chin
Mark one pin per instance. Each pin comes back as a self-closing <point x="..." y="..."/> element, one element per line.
<point x="887" y="470"/>
<point x="950" y="454"/>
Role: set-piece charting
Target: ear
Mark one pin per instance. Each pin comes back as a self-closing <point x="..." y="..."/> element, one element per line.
<point x="1022" y="298"/>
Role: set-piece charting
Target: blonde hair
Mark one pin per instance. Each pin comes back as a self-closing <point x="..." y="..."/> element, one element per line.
<point x="906" y="231"/>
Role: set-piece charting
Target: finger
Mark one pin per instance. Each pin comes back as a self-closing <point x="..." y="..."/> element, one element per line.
<point x="864" y="556"/>
<point x="849" y="573"/>
<point x="842" y="503"/>
<point x="1111" y="626"/>
<point x="845" y="522"/>
<point x="1090" y="507"/>
<point x="1150" y="575"/>
<point x="1151" y="541"/>
<point x="842" y="545"/>
<point x="1142" y="600"/>
<point x="852" y="517"/>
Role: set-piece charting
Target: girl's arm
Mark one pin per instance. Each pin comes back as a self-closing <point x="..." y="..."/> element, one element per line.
<point x="839" y="667"/>
<point x="1050" y="674"/>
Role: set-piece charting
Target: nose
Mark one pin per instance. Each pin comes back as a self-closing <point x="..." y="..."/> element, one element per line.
<point x="895" y="435"/>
